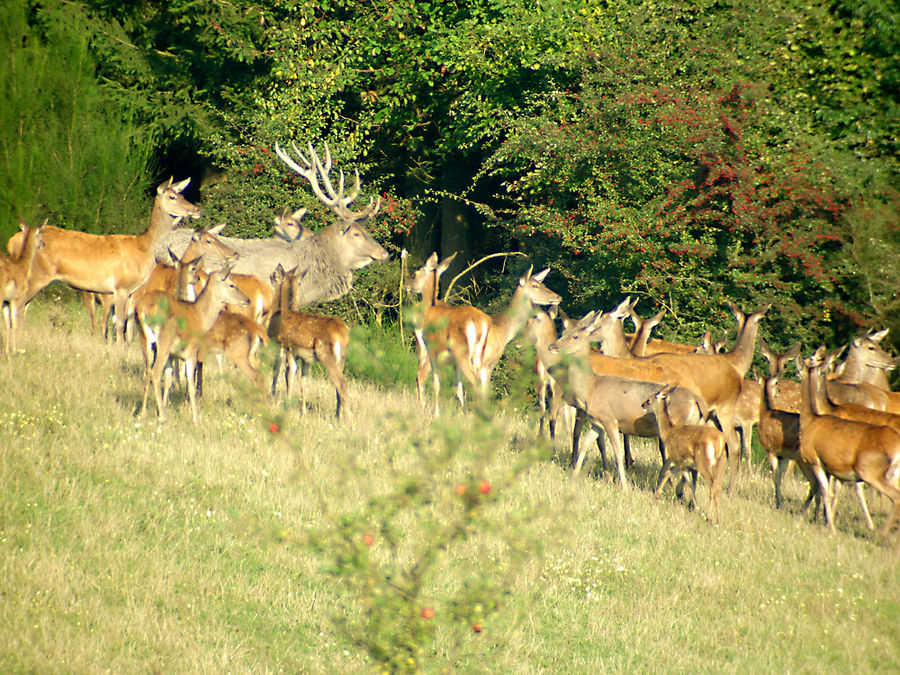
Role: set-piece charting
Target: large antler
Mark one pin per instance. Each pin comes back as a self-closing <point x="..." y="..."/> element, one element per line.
<point x="311" y="169"/>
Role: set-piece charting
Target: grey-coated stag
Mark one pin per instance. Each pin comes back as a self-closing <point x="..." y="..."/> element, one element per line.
<point x="324" y="260"/>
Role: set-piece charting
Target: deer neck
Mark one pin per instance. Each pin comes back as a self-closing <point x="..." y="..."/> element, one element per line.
<point x="819" y="401"/>
<point x="612" y="339"/>
<point x="161" y="223"/>
<point x="208" y="305"/>
<point x="662" y="418"/>
<point x="29" y="250"/>
<point x="807" y="412"/>
<point x="855" y="370"/>
<point x="741" y="357"/>
<point x="510" y="322"/>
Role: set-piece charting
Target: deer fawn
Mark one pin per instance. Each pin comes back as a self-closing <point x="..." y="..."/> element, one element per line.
<point x="692" y="446"/>
<point x="309" y="338"/>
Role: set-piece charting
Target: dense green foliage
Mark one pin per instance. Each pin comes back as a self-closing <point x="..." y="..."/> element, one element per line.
<point x="684" y="152"/>
<point x="66" y="152"/>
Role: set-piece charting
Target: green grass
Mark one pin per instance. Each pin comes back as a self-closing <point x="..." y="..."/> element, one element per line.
<point x="131" y="546"/>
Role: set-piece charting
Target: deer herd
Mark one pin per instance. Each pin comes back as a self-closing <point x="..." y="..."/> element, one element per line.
<point x="194" y="294"/>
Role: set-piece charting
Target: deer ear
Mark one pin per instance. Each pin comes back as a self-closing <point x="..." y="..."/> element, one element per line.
<point x="299" y="214"/>
<point x="216" y="230"/>
<point x="178" y="187"/>
<point x="165" y="185"/>
<point x="540" y="276"/>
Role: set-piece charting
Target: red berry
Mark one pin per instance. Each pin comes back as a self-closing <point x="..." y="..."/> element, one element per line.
<point x="274" y="428"/>
<point x="428" y="613"/>
<point x="476" y="628"/>
<point x="368" y="539"/>
<point x="485" y="487"/>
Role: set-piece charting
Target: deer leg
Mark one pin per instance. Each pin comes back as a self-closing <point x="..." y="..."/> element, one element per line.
<point x="779" y="464"/>
<point x="664" y="475"/>
<point x="746" y="443"/>
<point x="862" y="504"/>
<point x="87" y="299"/>
<point x="577" y="453"/>
<point x="612" y="434"/>
<point x="198" y="376"/>
<point x="13" y="328"/>
<point x="626" y="444"/>
<point x="304" y="370"/>
<point x="460" y="392"/>
<point x="189" y="375"/>
<point x="121" y="298"/>
<point x="822" y="480"/>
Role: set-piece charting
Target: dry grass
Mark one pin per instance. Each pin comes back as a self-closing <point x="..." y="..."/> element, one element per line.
<point x="129" y="546"/>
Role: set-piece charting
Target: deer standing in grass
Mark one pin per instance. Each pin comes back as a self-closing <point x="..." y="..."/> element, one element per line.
<point x="309" y="338"/>
<point x="15" y="273"/>
<point x="116" y="264"/>
<point x="689" y="447"/>
<point x="609" y="403"/>
<point x="849" y="450"/>
<point x="714" y="377"/>
<point x="530" y="295"/>
<point x="442" y="330"/>
<point x="238" y="337"/>
<point x="184" y="326"/>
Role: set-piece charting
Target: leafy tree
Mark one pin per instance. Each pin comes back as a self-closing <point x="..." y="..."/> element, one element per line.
<point x="67" y="153"/>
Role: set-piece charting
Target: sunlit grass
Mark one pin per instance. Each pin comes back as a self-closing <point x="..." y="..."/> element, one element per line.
<point x="131" y="546"/>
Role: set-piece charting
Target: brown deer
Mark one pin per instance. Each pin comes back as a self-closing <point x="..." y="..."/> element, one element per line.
<point x="15" y="273"/>
<point x="849" y="450"/>
<point x="182" y="334"/>
<point x="610" y="403"/>
<point x="117" y="264"/>
<point x="823" y="406"/>
<point x="716" y="378"/>
<point x="779" y="434"/>
<point x="205" y="243"/>
<point x="309" y="338"/>
<point x="442" y="330"/>
<point x="689" y="447"/>
<point x="541" y="330"/>
<point x="867" y="362"/>
<point x="788" y="391"/>
<point x="237" y="337"/>
<point x="529" y="295"/>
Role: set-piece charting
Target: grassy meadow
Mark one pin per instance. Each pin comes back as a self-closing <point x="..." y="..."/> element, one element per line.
<point x="128" y="546"/>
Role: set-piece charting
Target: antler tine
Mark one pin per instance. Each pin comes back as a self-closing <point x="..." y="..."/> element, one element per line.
<point x="313" y="168"/>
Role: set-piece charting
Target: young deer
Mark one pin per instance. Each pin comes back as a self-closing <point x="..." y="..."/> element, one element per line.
<point x="309" y="338"/>
<point x="14" y="275"/>
<point x="237" y="337"/>
<point x="182" y="334"/>
<point x="442" y="330"/>
<point x="688" y="447"/>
